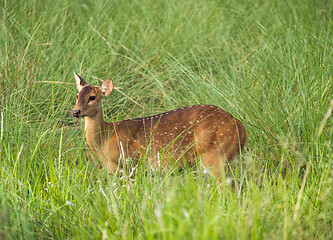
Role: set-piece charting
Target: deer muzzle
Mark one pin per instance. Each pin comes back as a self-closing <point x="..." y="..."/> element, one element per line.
<point x="76" y="113"/>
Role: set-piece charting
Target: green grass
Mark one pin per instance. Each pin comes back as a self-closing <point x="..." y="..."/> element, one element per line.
<point x="269" y="63"/>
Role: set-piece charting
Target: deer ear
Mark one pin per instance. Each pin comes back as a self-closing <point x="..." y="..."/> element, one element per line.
<point x="107" y="87"/>
<point x="80" y="83"/>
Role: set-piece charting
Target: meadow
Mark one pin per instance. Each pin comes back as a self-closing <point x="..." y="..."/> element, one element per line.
<point x="268" y="63"/>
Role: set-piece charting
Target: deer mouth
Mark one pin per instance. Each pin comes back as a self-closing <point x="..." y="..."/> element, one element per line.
<point x="77" y="117"/>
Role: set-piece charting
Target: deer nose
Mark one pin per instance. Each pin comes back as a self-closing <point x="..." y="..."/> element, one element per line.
<point x="76" y="113"/>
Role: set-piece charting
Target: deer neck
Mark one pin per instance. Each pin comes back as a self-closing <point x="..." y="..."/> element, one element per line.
<point x="94" y="128"/>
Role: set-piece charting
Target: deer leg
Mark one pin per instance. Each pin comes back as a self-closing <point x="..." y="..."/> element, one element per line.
<point x="218" y="166"/>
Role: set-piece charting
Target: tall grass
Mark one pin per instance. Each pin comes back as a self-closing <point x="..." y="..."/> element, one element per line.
<point x="269" y="63"/>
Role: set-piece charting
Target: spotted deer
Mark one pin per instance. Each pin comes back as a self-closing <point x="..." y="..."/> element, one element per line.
<point x="188" y="135"/>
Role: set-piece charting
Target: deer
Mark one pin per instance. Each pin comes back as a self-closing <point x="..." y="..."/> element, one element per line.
<point x="183" y="136"/>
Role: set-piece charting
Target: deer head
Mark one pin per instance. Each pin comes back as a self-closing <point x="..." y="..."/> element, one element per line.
<point x="89" y="98"/>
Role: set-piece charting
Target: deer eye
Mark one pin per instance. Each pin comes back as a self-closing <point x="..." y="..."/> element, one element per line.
<point x="91" y="98"/>
<point x="77" y="96"/>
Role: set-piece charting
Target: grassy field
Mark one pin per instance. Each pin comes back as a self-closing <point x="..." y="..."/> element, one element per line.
<point x="269" y="63"/>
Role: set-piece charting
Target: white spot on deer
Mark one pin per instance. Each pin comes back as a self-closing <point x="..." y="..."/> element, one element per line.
<point x="142" y="146"/>
<point x="182" y="108"/>
<point x="201" y="116"/>
<point x="222" y="122"/>
<point x="166" y="113"/>
<point x="191" y="122"/>
<point x="171" y="134"/>
<point x="184" y="126"/>
<point x="165" y="132"/>
<point x="221" y="134"/>
<point x="176" y="128"/>
<point x="134" y="140"/>
<point x="189" y="132"/>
